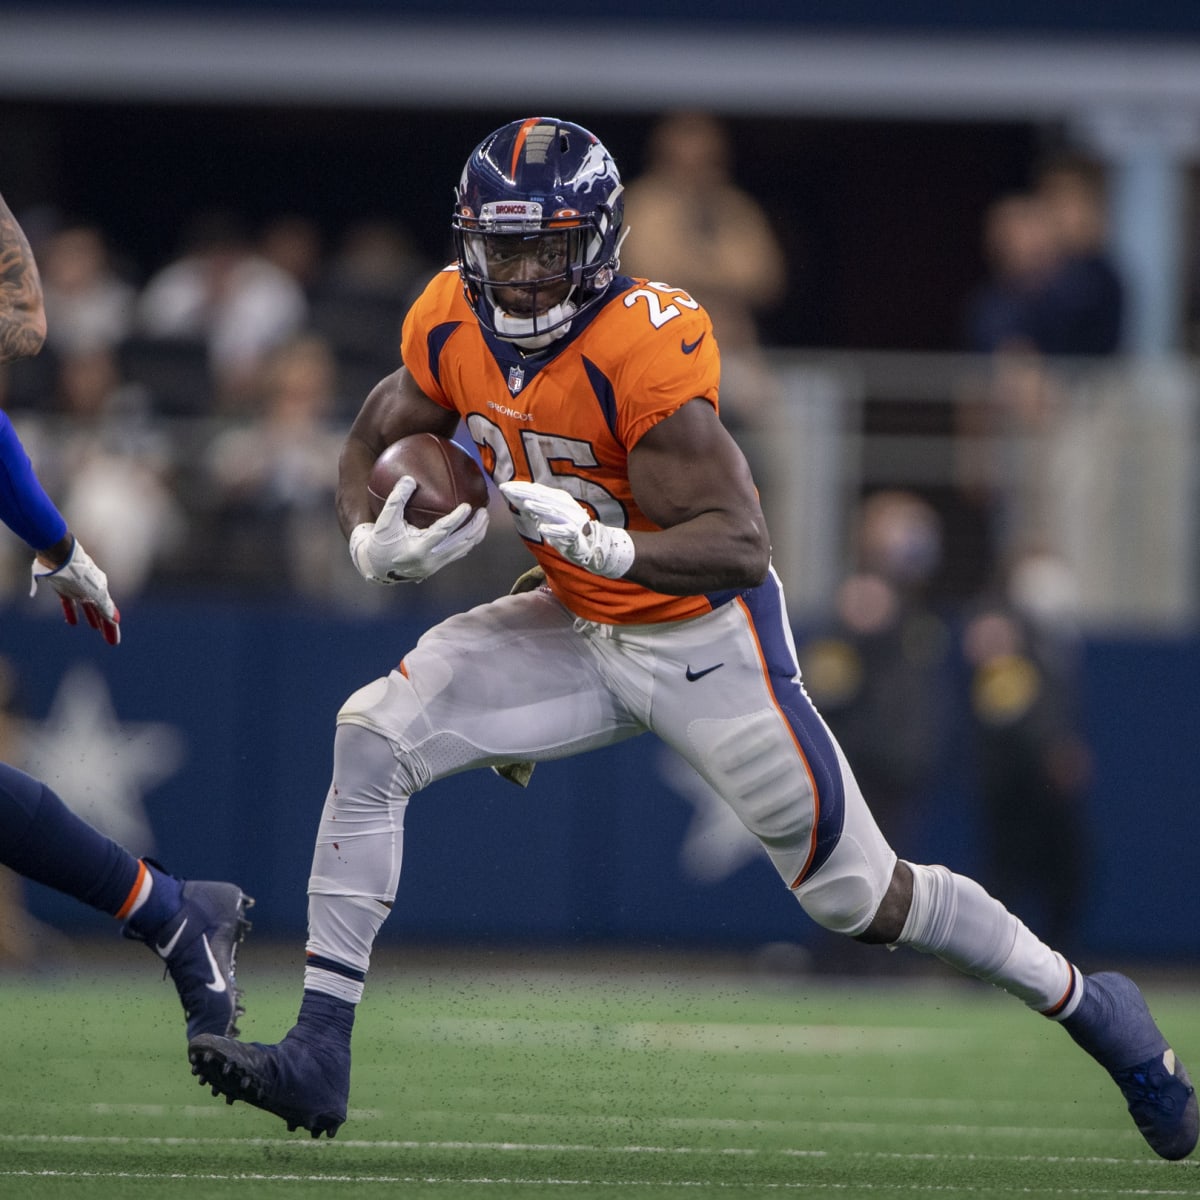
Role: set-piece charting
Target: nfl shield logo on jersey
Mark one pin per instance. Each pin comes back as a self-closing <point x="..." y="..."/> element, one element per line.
<point x="516" y="379"/>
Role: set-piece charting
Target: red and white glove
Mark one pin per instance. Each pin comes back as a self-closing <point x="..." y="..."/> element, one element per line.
<point x="390" y="550"/>
<point x="563" y="522"/>
<point x="79" y="582"/>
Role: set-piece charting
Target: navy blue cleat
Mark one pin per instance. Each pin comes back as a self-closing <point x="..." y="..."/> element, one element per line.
<point x="1114" y="1025"/>
<point x="199" y="946"/>
<point x="304" y="1079"/>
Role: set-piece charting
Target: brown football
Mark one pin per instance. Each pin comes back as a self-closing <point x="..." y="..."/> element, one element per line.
<point x="446" y="475"/>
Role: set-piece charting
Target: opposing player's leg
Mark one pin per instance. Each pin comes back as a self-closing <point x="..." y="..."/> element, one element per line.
<point x="509" y="680"/>
<point x="193" y="926"/>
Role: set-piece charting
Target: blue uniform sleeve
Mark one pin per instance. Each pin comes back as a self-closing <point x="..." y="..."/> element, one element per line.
<point x="24" y="506"/>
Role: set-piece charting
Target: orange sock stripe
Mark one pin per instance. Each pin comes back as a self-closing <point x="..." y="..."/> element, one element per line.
<point x="140" y="884"/>
<point x="1054" y="1010"/>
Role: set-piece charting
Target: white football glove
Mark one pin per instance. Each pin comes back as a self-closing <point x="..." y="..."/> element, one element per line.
<point x="390" y="550"/>
<point x="563" y="522"/>
<point x="80" y="582"/>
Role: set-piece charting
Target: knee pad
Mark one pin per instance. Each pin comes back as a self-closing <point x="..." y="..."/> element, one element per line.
<point x="845" y="892"/>
<point x="392" y="708"/>
<point x="844" y="895"/>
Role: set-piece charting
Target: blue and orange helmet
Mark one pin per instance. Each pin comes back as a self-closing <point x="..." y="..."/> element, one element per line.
<point x="537" y="228"/>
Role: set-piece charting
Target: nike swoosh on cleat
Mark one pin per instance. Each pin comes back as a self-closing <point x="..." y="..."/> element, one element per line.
<point x="218" y="980"/>
<point x="688" y="347"/>
<point x="691" y="676"/>
<point x="165" y="951"/>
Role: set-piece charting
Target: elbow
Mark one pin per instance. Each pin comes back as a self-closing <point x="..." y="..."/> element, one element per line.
<point x="36" y="338"/>
<point x="756" y="554"/>
<point x="36" y="328"/>
<point x="760" y="566"/>
<point x="33" y="331"/>
<point x="30" y="315"/>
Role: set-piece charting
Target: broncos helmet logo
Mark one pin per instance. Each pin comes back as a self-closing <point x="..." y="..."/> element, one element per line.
<point x="596" y="167"/>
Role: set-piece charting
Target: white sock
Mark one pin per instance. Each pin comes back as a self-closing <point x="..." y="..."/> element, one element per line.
<point x="953" y="918"/>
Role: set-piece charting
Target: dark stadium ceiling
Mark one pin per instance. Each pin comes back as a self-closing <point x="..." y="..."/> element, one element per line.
<point x="267" y="57"/>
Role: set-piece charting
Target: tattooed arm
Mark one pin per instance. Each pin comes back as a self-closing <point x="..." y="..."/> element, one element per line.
<point x="22" y="317"/>
<point x="24" y="506"/>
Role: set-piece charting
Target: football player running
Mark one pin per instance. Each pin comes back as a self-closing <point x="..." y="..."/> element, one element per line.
<point x="592" y="398"/>
<point x="193" y="926"/>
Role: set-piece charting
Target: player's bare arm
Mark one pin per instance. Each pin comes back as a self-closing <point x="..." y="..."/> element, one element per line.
<point x="689" y="476"/>
<point x="22" y="315"/>
<point x="395" y="408"/>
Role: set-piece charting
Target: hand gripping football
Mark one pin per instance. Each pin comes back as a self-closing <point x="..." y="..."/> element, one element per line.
<point x="446" y="476"/>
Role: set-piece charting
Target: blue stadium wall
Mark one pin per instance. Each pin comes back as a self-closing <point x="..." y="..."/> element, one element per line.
<point x="600" y="849"/>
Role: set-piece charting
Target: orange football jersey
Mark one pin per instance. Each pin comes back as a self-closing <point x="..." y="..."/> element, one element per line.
<point x="569" y="416"/>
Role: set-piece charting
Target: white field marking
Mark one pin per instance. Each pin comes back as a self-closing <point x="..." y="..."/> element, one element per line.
<point x="793" y="1089"/>
<point x="1099" y="1104"/>
<point x="795" y="1093"/>
<point x="641" y="1184"/>
<point x="720" y="1036"/>
<point x="892" y="1104"/>
<point x="318" y="1146"/>
<point x="754" y="1125"/>
<point x="1037" y="1129"/>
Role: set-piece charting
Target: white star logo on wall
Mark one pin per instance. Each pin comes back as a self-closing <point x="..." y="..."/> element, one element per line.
<point x="716" y="843"/>
<point x="101" y="766"/>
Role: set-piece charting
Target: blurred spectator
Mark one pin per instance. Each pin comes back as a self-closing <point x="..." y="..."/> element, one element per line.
<point x="876" y="671"/>
<point x="691" y="226"/>
<point x="1033" y="766"/>
<point x="359" y="303"/>
<point x="271" y="480"/>
<point x="1083" y="304"/>
<point x="378" y="258"/>
<point x="112" y="465"/>
<point x="89" y="304"/>
<point x="225" y="293"/>
<point x="1053" y="289"/>
<point x="294" y="244"/>
<point x="1053" y="296"/>
<point x="1022" y="255"/>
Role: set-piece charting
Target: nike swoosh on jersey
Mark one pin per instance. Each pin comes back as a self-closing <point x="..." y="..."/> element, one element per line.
<point x="218" y="980"/>
<point x="688" y="347"/>
<point x="691" y="676"/>
<point x="165" y="951"/>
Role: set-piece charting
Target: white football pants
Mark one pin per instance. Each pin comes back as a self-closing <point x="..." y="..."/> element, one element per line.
<point x="520" y="678"/>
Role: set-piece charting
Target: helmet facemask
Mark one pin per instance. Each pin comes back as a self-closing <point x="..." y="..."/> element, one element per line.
<point x="536" y="229"/>
<point x="531" y="275"/>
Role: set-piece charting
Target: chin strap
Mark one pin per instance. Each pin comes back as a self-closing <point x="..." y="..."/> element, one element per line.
<point x="520" y="330"/>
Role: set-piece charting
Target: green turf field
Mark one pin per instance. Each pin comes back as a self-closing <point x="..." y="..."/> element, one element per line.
<point x="533" y="1082"/>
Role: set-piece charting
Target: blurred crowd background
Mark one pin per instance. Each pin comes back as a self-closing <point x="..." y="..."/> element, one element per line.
<point x="953" y="262"/>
